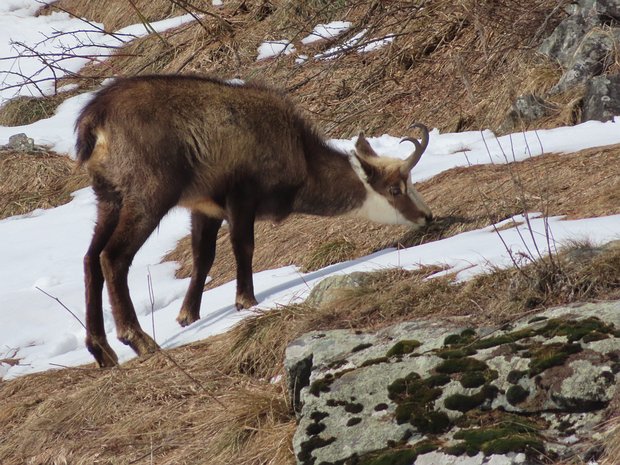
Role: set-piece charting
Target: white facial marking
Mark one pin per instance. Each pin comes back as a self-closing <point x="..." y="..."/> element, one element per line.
<point x="378" y="208"/>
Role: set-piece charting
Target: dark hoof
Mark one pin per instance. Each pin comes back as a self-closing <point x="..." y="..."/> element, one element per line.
<point x="103" y="353"/>
<point x="139" y="341"/>
<point x="186" y="319"/>
<point x="245" y="302"/>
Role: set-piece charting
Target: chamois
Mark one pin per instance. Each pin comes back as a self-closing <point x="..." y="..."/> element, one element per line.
<point x="226" y="152"/>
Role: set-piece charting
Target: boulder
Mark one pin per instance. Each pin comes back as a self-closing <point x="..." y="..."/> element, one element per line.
<point x="602" y="99"/>
<point x="432" y="392"/>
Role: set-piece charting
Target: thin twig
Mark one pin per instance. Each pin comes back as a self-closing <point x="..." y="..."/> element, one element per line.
<point x="61" y="304"/>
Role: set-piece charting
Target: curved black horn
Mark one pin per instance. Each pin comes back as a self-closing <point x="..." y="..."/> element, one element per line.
<point x="420" y="147"/>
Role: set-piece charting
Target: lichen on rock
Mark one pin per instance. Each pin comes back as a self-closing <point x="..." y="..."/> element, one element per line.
<point x="423" y="390"/>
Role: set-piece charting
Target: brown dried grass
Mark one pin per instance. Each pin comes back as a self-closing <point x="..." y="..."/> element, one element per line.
<point x="24" y="110"/>
<point x="147" y="410"/>
<point x="118" y="13"/>
<point x="462" y="72"/>
<point x="38" y="180"/>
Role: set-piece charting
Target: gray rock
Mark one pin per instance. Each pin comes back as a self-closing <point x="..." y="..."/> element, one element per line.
<point x="21" y="143"/>
<point x="330" y="289"/>
<point x="585" y="44"/>
<point x="562" y="43"/>
<point x="361" y="393"/>
<point x="602" y="99"/>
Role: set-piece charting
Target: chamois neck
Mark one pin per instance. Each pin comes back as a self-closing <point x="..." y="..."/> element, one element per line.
<point x="332" y="187"/>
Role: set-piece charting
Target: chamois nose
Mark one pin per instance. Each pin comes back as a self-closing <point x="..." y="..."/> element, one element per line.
<point x="429" y="217"/>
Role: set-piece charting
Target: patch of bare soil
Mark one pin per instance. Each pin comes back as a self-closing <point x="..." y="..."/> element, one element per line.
<point x="579" y="185"/>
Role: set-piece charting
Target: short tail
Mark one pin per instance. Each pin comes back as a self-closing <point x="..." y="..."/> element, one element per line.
<point x="86" y="125"/>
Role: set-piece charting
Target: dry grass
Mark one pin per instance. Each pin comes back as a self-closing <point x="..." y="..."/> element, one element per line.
<point x="31" y="181"/>
<point x="118" y="13"/>
<point x="147" y="410"/>
<point x="20" y="111"/>
<point x="454" y="65"/>
<point x="462" y="73"/>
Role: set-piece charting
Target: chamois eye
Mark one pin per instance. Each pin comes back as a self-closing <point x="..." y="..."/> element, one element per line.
<point x="395" y="191"/>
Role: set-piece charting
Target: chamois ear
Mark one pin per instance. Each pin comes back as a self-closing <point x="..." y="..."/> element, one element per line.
<point x="363" y="148"/>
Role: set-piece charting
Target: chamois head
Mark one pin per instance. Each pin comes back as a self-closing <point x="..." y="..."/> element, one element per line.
<point x="391" y="197"/>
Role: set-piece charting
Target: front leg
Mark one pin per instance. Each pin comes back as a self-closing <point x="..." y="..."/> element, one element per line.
<point x="241" y="214"/>
<point x="204" y="237"/>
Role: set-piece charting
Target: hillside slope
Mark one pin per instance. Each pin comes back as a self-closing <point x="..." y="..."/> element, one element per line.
<point x="453" y="65"/>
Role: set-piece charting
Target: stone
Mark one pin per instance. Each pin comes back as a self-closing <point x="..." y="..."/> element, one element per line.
<point x="404" y="388"/>
<point x="527" y="108"/>
<point x="602" y="99"/>
<point x="592" y="57"/>
<point x="330" y="289"/>
<point x="564" y="40"/>
<point x="21" y="143"/>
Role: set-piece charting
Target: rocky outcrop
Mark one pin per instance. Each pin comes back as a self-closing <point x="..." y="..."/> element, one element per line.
<point x="431" y="393"/>
<point x="602" y="98"/>
<point x="585" y="45"/>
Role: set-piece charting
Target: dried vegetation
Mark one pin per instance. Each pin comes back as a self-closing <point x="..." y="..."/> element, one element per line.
<point x="37" y="180"/>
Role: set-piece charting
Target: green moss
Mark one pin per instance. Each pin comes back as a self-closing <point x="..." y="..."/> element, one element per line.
<point x="397" y="456"/>
<point x="401" y="385"/>
<point x="414" y="397"/>
<point x="350" y="407"/>
<point x="550" y="355"/>
<point x="594" y="336"/>
<point x="463" y="403"/>
<point x="516" y="394"/>
<point x="507" y="338"/>
<point x="403" y="347"/>
<point x="455" y="353"/>
<point x="321" y="385"/>
<point x="536" y="319"/>
<point x="440" y="379"/>
<point x="473" y="379"/>
<point x="317" y="416"/>
<point x="315" y="442"/>
<point x="457" y="449"/>
<point x="315" y="428"/>
<point x="381" y="407"/>
<point x="354" y="421"/>
<point x="375" y="361"/>
<point x="516" y="443"/>
<point x="431" y="422"/>
<point x="460" y="365"/>
<point x="361" y="347"/>
<point x="465" y="337"/>
<point x="512" y="434"/>
<point x="576" y="330"/>
<point x="515" y="375"/>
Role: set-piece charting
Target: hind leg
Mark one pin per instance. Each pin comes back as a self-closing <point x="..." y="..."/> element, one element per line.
<point x="136" y="223"/>
<point x="204" y="236"/>
<point x="96" y="341"/>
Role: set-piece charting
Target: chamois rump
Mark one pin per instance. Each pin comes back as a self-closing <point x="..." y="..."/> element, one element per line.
<point x="226" y="152"/>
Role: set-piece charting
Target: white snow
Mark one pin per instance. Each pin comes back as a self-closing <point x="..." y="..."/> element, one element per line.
<point x="43" y="250"/>
<point x="35" y="50"/>
<point x="326" y="31"/>
<point x="274" y="48"/>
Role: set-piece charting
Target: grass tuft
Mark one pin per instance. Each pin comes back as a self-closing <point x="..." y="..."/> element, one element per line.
<point x="31" y="181"/>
